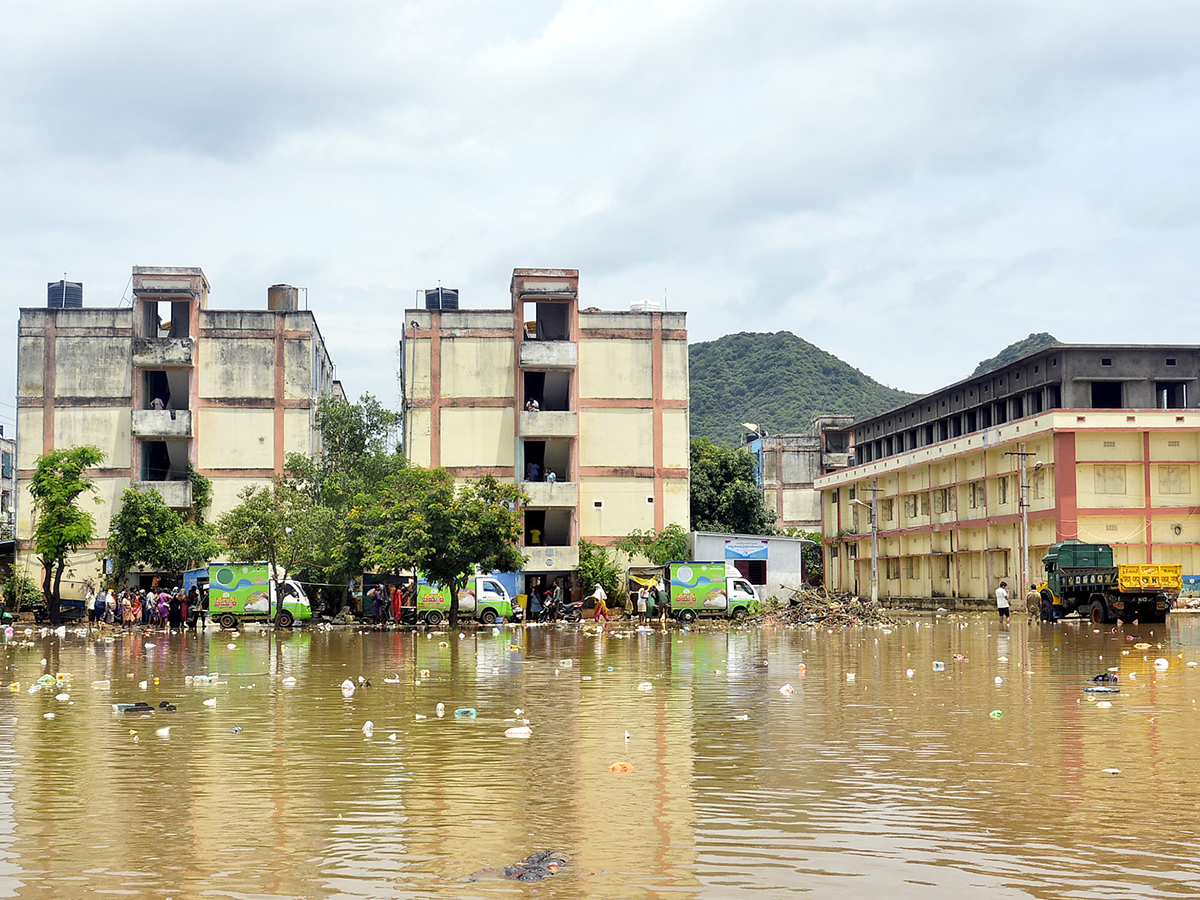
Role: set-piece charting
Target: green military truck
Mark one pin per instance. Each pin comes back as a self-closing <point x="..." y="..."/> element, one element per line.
<point x="1081" y="578"/>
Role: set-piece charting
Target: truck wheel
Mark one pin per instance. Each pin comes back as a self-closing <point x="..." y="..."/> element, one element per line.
<point x="488" y="617"/>
<point x="739" y="613"/>
<point x="1047" y="607"/>
<point x="1098" y="613"/>
<point x="687" y="616"/>
<point x="228" y="621"/>
<point x="433" y="617"/>
<point x="286" y="619"/>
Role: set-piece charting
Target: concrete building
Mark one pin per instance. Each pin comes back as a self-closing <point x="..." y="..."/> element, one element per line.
<point x="1111" y="444"/>
<point x="611" y="423"/>
<point x="789" y="464"/>
<point x="772" y="564"/>
<point x="165" y="385"/>
<point x="8" y="486"/>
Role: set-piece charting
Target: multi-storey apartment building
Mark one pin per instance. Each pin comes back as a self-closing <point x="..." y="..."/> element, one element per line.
<point x="598" y="398"/>
<point x="789" y="465"/>
<point x="165" y="385"/>
<point x="1098" y="443"/>
<point x="8" y="485"/>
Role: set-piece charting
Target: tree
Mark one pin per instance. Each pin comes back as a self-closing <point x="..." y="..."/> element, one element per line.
<point x="725" y="494"/>
<point x="277" y="523"/>
<point x="146" y="532"/>
<point x="61" y="526"/>
<point x="659" y="548"/>
<point x="596" y="567"/>
<point x="19" y="592"/>
<point x="421" y="520"/>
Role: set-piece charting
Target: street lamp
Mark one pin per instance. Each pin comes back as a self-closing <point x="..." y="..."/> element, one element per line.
<point x="874" y="546"/>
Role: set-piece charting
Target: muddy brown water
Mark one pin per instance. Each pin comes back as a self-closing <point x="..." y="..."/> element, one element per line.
<point x="865" y="782"/>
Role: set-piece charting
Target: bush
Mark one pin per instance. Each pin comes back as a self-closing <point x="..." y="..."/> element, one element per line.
<point x="596" y="567"/>
<point x="20" y="592"/>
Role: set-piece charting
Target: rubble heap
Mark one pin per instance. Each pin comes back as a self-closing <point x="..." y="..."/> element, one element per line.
<point x="816" y="606"/>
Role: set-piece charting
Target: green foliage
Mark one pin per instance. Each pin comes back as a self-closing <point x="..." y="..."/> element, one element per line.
<point x="667" y="545"/>
<point x="777" y="381"/>
<point x="202" y="493"/>
<point x="61" y="526"/>
<point x="725" y="496"/>
<point x="1015" y="351"/>
<point x="810" y="554"/>
<point x="597" y="567"/>
<point x="276" y="523"/>
<point x="421" y="520"/>
<point x="146" y="532"/>
<point x="19" y="592"/>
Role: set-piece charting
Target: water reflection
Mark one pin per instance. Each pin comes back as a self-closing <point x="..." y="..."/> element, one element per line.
<point x="864" y="780"/>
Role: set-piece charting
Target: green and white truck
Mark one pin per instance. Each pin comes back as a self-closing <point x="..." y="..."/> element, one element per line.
<point x="709" y="589"/>
<point x="484" y="599"/>
<point x="239" y="592"/>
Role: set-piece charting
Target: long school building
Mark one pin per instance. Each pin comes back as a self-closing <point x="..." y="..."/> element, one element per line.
<point x="949" y="511"/>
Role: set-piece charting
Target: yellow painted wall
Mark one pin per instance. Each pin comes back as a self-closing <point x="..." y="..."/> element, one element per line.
<point x="616" y="437"/>
<point x="478" y="436"/>
<point x="237" y="367"/>
<point x="419" y="436"/>
<point x="417" y="369"/>
<point x="677" y="503"/>
<point x="91" y="367"/>
<point x="225" y="493"/>
<point x="625" y="507"/>
<point x="236" y="438"/>
<point x="1096" y="485"/>
<point x="675" y="370"/>
<point x="106" y="427"/>
<point x="29" y="427"/>
<point x="299" y="380"/>
<point x="801" y="505"/>
<point x="1175" y="445"/>
<point x="676" y="439"/>
<point x="1118" y="446"/>
<point x="298" y="431"/>
<point x="477" y="367"/>
<point x="614" y="368"/>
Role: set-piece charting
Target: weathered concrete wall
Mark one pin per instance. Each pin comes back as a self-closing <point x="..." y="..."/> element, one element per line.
<point x="298" y="431"/>
<point x="91" y="367"/>
<point x="624" y="506"/>
<point x="225" y="493"/>
<point x="31" y="351"/>
<point x="29" y="433"/>
<point x="478" y="436"/>
<point x="156" y="352"/>
<point x="299" y="378"/>
<point x="106" y="427"/>
<point x="477" y="367"/>
<point x="615" y="367"/>
<point x="417" y="371"/>
<point x="677" y="502"/>
<point x="237" y="367"/>
<point x="616" y="437"/>
<point x="548" y="424"/>
<point x="675" y="370"/>
<point x="549" y="354"/>
<point x="676" y="439"/>
<point x="419" y="436"/>
<point x="236" y="438"/>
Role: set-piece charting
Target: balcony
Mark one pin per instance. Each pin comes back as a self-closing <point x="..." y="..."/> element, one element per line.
<point x="551" y="559"/>
<point x="155" y="353"/>
<point x="835" y="460"/>
<point x="176" y="494"/>
<point x="548" y="424"/>
<point x="549" y="354"/>
<point x="162" y="423"/>
<point x="551" y="494"/>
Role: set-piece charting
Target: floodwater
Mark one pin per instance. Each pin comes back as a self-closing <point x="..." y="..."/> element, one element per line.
<point x="996" y="777"/>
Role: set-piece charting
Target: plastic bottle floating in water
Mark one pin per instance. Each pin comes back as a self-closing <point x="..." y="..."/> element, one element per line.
<point x="466" y="712"/>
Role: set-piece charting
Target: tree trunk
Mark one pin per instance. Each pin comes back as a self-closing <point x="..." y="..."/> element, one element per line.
<point x="54" y="606"/>
<point x="48" y="587"/>
<point x="454" y="589"/>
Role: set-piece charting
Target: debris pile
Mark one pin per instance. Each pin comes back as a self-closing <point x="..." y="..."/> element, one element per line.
<point x="534" y="867"/>
<point x="816" y="606"/>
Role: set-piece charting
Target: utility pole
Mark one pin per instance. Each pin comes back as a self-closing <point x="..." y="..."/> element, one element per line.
<point x="873" y="509"/>
<point x="1023" y="505"/>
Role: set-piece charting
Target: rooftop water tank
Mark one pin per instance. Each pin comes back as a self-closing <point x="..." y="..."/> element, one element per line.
<point x="441" y="298"/>
<point x="646" y="306"/>
<point x="64" y="294"/>
<point x="283" y="297"/>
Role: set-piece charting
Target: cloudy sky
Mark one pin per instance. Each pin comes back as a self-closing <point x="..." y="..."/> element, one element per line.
<point x="910" y="185"/>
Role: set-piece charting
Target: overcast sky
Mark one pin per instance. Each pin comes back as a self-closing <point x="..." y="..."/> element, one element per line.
<point x="908" y="185"/>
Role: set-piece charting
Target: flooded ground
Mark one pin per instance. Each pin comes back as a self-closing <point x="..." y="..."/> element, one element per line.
<point x="993" y="778"/>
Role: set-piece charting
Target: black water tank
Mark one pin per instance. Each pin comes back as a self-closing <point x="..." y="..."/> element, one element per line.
<point x="64" y="294"/>
<point x="441" y="298"/>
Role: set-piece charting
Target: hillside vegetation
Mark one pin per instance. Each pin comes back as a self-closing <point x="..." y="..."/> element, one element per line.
<point x="1016" y="350"/>
<point x="777" y="381"/>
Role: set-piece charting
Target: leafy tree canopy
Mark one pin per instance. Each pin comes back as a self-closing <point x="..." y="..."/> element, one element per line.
<point x="597" y="567"/>
<point x="421" y="520"/>
<point x="658" y="548"/>
<point x="146" y="532"/>
<point x="725" y="496"/>
<point x="61" y="526"/>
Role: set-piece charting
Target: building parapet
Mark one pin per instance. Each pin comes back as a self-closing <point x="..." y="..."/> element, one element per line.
<point x="551" y="494"/>
<point x="549" y="354"/>
<point x="549" y="424"/>
<point x="162" y="423"/>
<point x="550" y="559"/>
<point x="153" y="353"/>
<point x="176" y="494"/>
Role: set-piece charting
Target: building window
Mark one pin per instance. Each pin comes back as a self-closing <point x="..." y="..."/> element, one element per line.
<point x="978" y="496"/>
<point x="912" y="567"/>
<point x="833" y="497"/>
<point x="891" y="569"/>
<point x="1174" y="480"/>
<point x="1106" y="395"/>
<point x="1002" y="490"/>
<point x="833" y="551"/>
<point x="1110" y="479"/>
<point x="1110" y="444"/>
<point x="1170" y="361"/>
<point x="887" y="510"/>
<point x="1106" y="360"/>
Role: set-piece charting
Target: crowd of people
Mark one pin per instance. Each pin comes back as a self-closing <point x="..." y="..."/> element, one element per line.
<point x="155" y="608"/>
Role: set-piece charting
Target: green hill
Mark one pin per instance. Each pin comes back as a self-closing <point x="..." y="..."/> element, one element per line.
<point x="777" y="381"/>
<point x="1016" y="350"/>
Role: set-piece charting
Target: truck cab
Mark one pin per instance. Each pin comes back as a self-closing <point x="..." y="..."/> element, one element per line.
<point x="484" y="599"/>
<point x="709" y="589"/>
<point x="240" y="592"/>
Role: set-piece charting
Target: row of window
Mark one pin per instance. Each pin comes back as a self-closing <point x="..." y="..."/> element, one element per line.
<point x="939" y="565"/>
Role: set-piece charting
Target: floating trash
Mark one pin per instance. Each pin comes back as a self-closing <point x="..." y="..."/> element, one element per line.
<point x="289" y="681"/>
<point x="424" y="673"/>
<point x="1102" y="690"/>
<point x="392" y="679"/>
<point x="909" y="673"/>
<point x="741" y="718"/>
<point x="368" y="728"/>
<point x="787" y="690"/>
<point x="997" y="714"/>
<point x="1162" y="663"/>
<point x="645" y="686"/>
<point x="999" y="680"/>
<point x="211" y="701"/>
<point x="440" y="709"/>
<point x="1112" y="771"/>
<point x="939" y="666"/>
<point x="236" y="729"/>
<point x="1103" y="704"/>
<point x="138" y="709"/>
<point x="850" y="676"/>
<point x="465" y="712"/>
<point x="47" y="715"/>
<point x="164" y="732"/>
<point x="621" y="768"/>
<point x="62" y="698"/>
<point x="102" y="684"/>
<point x="392" y="736"/>
<point x="520" y="731"/>
<point x="419" y="716"/>
<point x="348" y="688"/>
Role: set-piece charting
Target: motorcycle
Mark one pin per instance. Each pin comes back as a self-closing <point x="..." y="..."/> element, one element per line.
<point x="566" y="610"/>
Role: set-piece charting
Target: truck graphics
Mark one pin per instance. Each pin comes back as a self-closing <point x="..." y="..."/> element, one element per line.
<point x="242" y="591"/>
<point x="709" y="588"/>
<point x="485" y="599"/>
